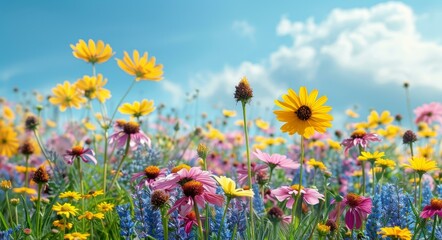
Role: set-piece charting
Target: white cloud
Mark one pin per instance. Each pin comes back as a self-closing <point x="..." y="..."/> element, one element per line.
<point x="244" y="29"/>
<point x="175" y="91"/>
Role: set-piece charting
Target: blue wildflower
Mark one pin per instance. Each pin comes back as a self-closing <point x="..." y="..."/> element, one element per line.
<point x="126" y="223"/>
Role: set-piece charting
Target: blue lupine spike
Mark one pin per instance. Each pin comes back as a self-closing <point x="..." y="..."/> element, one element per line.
<point x="258" y="203"/>
<point x="126" y="224"/>
<point x="439" y="190"/>
<point x="427" y="195"/>
<point x="149" y="219"/>
<point x="374" y="219"/>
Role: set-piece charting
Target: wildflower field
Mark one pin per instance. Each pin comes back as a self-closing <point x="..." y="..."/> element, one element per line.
<point x="141" y="171"/>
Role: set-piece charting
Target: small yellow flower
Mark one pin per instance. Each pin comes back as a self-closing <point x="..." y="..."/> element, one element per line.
<point x="67" y="96"/>
<point x="215" y="134"/>
<point x="374" y="119"/>
<point x="90" y="216"/>
<point x="66" y="209"/>
<point x="334" y="145"/>
<point x="229" y="113"/>
<point x="91" y="52"/>
<point x="385" y="163"/>
<point x="93" y="194"/>
<point x="425" y="152"/>
<point x="323" y="229"/>
<point x="357" y="173"/>
<point x="71" y="195"/>
<point x="8" y="141"/>
<point x="5" y="185"/>
<point x="230" y="189"/>
<point x="421" y="165"/>
<point x="141" y="68"/>
<point x="8" y="113"/>
<point x="29" y="191"/>
<point x="93" y="87"/>
<point x="105" y="207"/>
<point x="367" y="156"/>
<point x="317" y="164"/>
<point x="62" y="224"/>
<point x="351" y="113"/>
<point x="51" y="123"/>
<point x="137" y="109"/>
<point x="395" y="233"/>
<point x="23" y="169"/>
<point x="261" y="124"/>
<point x="76" y="236"/>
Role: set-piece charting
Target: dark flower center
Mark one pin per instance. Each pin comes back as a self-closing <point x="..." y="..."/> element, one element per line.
<point x="193" y="188"/>
<point x="131" y="128"/>
<point x="303" y="113"/>
<point x="353" y="200"/>
<point x="436" y="204"/>
<point x="77" y="150"/>
<point x="152" y="172"/>
<point x="159" y="198"/>
<point x="275" y="214"/>
<point x="358" y="134"/>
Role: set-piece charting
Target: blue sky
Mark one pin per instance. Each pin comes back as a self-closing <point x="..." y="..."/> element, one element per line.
<point x="355" y="52"/>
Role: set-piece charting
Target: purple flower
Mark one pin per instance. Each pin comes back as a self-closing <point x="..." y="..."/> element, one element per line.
<point x="129" y="130"/>
<point x="87" y="155"/>
<point x="361" y="138"/>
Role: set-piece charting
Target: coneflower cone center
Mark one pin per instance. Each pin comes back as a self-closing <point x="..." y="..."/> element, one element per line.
<point x="152" y="172"/>
<point x="353" y="200"/>
<point x="297" y="187"/>
<point x="193" y="188"/>
<point x="358" y="134"/>
<point x="436" y="204"/>
<point x="77" y="150"/>
<point x="131" y="128"/>
<point x="303" y="113"/>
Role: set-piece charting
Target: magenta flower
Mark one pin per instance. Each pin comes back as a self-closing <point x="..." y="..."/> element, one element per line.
<point x="189" y="220"/>
<point x="428" y="113"/>
<point x="182" y="174"/>
<point x="435" y="208"/>
<point x="129" y="130"/>
<point x="149" y="175"/>
<point x="256" y="170"/>
<point x="310" y="196"/>
<point x="358" y="209"/>
<point x="276" y="160"/>
<point x="87" y="155"/>
<point x="359" y="138"/>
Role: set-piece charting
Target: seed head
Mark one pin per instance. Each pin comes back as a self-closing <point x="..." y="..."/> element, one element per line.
<point x="41" y="176"/>
<point x="243" y="91"/>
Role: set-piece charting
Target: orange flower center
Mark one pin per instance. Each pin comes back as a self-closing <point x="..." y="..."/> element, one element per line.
<point x="193" y="188"/>
<point x="131" y="128"/>
<point x="297" y="187"/>
<point x="303" y="113"/>
<point x="179" y="167"/>
<point x="191" y="215"/>
<point x="77" y="150"/>
<point x="353" y="200"/>
<point x="436" y="203"/>
<point x="358" y="134"/>
<point x="152" y="172"/>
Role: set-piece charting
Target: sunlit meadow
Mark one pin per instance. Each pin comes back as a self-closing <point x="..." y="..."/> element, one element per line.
<point x="74" y="166"/>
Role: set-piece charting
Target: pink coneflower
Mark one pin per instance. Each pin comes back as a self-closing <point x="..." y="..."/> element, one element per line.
<point x="256" y="170"/>
<point x="359" y="138"/>
<point x="182" y="174"/>
<point x="87" y="155"/>
<point x="428" y="113"/>
<point x="276" y="160"/>
<point x="358" y="209"/>
<point x="130" y="130"/>
<point x="149" y="175"/>
<point x="195" y="192"/>
<point x="310" y="196"/>
<point x="435" y="208"/>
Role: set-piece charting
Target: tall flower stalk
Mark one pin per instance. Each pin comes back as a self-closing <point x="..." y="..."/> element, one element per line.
<point x="126" y="152"/>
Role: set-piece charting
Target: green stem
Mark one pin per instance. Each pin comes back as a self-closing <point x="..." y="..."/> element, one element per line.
<point x="363" y="178"/>
<point x="121" y="163"/>
<point x="206" y="221"/>
<point x="26" y="172"/>
<point x="249" y="167"/>
<point x="38" y="210"/>
<point x="16" y="215"/>
<point x="270" y="174"/>
<point x="298" y="196"/>
<point x="374" y="177"/>
<point x="8" y="206"/>
<point x="434" y="227"/>
<point x="37" y="136"/>
<point x="106" y="136"/>
<point x="224" y="215"/>
<point x="80" y="176"/>
<point x="314" y="176"/>
<point x="165" y="221"/>
<point x="275" y="230"/>
<point x="420" y="191"/>
<point x="200" y="226"/>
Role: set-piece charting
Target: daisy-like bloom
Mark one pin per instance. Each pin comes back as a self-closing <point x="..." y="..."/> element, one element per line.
<point x="29" y="191"/>
<point x="351" y="113"/>
<point x="434" y="208"/>
<point x="70" y="195"/>
<point x="429" y="113"/>
<point x="358" y="209"/>
<point x="334" y="145"/>
<point x="130" y="130"/>
<point x="371" y="157"/>
<point x="105" y="207"/>
<point x="149" y="175"/>
<point x="93" y="87"/>
<point x="93" y="194"/>
<point x="90" y="216"/>
<point x="66" y="209"/>
<point x="276" y="160"/>
<point x="256" y="170"/>
<point x="5" y="185"/>
<point x="230" y="190"/>
<point x="311" y="196"/>
<point x="421" y="165"/>
<point x="374" y="120"/>
<point x="87" y="155"/>
<point x="359" y="138"/>
<point x="303" y="114"/>
<point x="91" y="52"/>
<point x="385" y="163"/>
<point x="67" y="96"/>
<point x="141" y="68"/>
<point x="317" y="164"/>
<point x="62" y="224"/>
<point x="323" y="230"/>
<point x="76" y="236"/>
<point x="261" y="124"/>
<point x="23" y="169"/>
<point x="184" y="174"/>
<point x="395" y="233"/>
<point x="137" y="109"/>
<point x="229" y="113"/>
<point x="8" y="141"/>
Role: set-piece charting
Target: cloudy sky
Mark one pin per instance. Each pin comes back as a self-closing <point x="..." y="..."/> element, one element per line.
<point x="355" y="52"/>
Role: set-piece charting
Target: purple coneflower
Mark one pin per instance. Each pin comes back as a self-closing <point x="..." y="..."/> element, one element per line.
<point x="87" y="155"/>
<point x="359" y="138"/>
<point x="428" y="113"/>
<point x="129" y="130"/>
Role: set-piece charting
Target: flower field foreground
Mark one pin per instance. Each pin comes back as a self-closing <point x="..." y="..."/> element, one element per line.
<point x="149" y="175"/>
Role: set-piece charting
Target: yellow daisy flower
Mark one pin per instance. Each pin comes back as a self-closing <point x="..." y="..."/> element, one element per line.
<point x="229" y="113"/>
<point x="385" y="163"/>
<point x="303" y="113"/>
<point x="8" y="113"/>
<point x="334" y="145"/>
<point x="8" y="141"/>
<point x="23" y="169"/>
<point x="66" y="96"/>
<point x="29" y="191"/>
<point x="91" y="52"/>
<point x="93" y="87"/>
<point x="76" y="236"/>
<point x="66" y="209"/>
<point x="90" y="216"/>
<point x="71" y="195"/>
<point x="261" y="124"/>
<point x="374" y="120"/>
<point x="323" y="229"/>
<point x="62" y="224"/>
<point x="137" y="109"/>
<point x="141" y="68"/>
<point x="317" y="164"/>
<point x="230" y="189"/>
<point x="93" y="194"/>
<point x="105" y="207"/>
<point x="395" y="233"/>
<point x="5" y="185"/>
<point x="367" y="156"/>
<point x="421" y="165"/>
